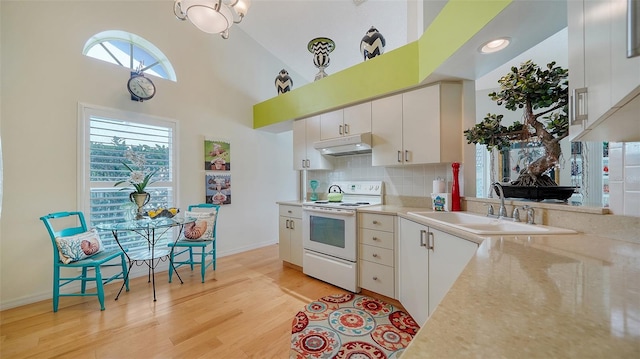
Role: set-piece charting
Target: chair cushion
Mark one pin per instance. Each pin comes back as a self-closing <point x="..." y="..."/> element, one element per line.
<point x="79" y="246"/>
<point x="202" y="228"/>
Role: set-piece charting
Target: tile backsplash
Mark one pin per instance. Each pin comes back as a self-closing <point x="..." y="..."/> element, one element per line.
<point x="407" y="180"/>
<point x="624" y="178"/>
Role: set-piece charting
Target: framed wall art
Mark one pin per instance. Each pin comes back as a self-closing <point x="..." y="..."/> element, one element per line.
<point x="217" y="188"/>
<point x="217" y="155"/>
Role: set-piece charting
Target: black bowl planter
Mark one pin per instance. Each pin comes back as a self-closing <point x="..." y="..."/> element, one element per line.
<point x="538" y="193"/>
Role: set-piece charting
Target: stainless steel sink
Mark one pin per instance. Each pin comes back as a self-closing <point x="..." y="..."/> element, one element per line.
<point x="483" y="225"/>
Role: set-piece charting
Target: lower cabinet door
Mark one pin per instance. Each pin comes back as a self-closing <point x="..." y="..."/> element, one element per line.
<point x="296" y="241"/>
<point x="284" y="237"/>
<point x="413" y="270"/>
<point x="449" y="257"/>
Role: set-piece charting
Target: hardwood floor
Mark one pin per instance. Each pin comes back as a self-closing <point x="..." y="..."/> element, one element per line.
<point x="244" y="310"/>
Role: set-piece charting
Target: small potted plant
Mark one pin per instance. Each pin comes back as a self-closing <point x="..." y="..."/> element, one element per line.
<point x="542" y="95"/>
<point x="139" y="178"/>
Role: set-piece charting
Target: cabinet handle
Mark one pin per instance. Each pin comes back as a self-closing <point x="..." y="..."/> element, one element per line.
<point x="286" y="224"/>
<point x="406" y="155"/>
<point x="340" y="129"/>
<point x="346" y="128"/>
<point x="375" y="255"/>
<point x="375" y="222"/>
<point x="375" y="278"/>
<point x="423" y="242"/>
<point x="399" y="156"/>
<point x="579" y="106"/>
<point x="374" y="238"/>
<point x="302" y="163"/>
<point x="288" y="211"/>
<point x="292" y="225"/>
<point x="432" y="242"/>
<point x="308" y="163"/>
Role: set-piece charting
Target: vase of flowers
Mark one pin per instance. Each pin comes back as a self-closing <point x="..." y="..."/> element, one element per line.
<point x="139" y="177"/>
<point x="140" y="199"/>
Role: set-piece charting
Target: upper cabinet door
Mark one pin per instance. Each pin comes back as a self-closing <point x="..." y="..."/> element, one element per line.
<point x="331" y="125"/>
<point x="625" y="72"/>
<point x="315" y="159"/>
<point x="597" y="34"/>
<point x="432" y="124"/>
<point x="575" y="35"/>
<point x="386" y="131"/>
<point x="299" y="144"/>
<point x="421" y="125"/>
<point x="357" y="119"/>
<point x="305" y="132"/>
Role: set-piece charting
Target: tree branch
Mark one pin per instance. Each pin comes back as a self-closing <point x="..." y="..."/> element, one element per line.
<point x="558" y="106"/>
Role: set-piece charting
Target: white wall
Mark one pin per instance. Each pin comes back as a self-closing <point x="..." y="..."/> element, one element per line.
<point x="45" y="76"/>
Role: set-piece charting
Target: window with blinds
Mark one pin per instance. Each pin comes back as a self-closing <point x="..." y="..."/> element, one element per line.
<point x="107" y="136"/>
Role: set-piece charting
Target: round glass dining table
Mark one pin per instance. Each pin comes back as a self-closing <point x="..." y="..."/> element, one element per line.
<point x="154" y="232"/>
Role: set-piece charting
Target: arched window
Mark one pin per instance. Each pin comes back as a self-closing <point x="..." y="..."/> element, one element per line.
<point x="130" y="51"/>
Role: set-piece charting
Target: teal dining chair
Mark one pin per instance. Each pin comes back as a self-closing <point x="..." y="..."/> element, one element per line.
<point x="197" y="239"/>
<point x="74" y="246"/>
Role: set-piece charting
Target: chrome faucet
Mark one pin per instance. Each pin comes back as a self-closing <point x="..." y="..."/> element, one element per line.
<point x="502" y="212"/>
<point x="489" y="210"/>
<point x="530" y="214"/>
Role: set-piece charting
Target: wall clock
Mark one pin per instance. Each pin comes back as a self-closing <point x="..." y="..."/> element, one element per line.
<point x="140" y="87"/>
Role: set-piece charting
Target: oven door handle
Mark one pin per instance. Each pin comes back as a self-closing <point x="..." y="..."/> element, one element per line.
<point x="331" y="212"/>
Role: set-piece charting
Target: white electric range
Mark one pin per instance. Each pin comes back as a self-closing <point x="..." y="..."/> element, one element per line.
<point x="329" y="234"/>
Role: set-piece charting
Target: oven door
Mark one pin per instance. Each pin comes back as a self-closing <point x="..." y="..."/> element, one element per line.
<point x="330" y="231"/>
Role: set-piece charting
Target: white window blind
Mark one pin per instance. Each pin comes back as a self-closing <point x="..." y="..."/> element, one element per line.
<point x="106" y="135"/>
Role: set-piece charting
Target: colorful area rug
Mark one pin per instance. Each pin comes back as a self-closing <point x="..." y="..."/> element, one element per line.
<point x="351" y="326"/>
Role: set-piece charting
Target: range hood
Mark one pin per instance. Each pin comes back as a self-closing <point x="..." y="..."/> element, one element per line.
<point x="346" y="145"/>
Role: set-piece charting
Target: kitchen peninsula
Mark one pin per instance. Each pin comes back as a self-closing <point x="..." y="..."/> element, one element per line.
<point x="572" y="295"/>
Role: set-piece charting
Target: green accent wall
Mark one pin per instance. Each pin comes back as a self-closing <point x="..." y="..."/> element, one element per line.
<point x="395" y="70"/>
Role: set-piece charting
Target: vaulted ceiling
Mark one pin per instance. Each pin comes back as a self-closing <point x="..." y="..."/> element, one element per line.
<point x="285" y="27"/>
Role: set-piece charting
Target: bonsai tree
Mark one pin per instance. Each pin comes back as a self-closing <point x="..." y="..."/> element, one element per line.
<point x="529" y="88"/>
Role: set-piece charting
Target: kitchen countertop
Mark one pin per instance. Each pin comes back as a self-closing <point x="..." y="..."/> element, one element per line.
<point x="570" y="295"/>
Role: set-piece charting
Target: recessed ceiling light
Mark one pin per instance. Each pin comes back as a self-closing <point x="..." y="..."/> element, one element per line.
<point x="495" y="45"/>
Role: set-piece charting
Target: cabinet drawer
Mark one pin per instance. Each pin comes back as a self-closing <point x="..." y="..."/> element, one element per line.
<point x="377" y="278"/>
<point x="376" y="254"/>
<point x="376" y="238"/>
<point x="379" y="222"/>
<point x="291" y="211"/>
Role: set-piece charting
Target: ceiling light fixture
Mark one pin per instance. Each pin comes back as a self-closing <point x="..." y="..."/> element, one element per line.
<point x="212" y="16"/>
<point x="494" y="45"/>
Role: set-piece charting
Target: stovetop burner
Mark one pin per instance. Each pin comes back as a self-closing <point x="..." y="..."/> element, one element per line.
<point x="355" y="194"/>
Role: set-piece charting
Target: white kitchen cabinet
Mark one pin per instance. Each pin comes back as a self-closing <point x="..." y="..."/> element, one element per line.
<point x="413" y="269"/>
<point x="601" y="78"/>
<point x="446" y="261"/>
<point x="418" y="127"/>
<point x="305" y="132"/>
<point x="290" y="234"/>
<point x="386" y="131"/>
<point x="351" y="120"/>
<point x="377" y="255"/>
<point x="429" y="263"/>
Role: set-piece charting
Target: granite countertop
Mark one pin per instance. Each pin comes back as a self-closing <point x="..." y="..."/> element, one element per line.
<point x="554" y="296"/>
<point x="545" y="296"/>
